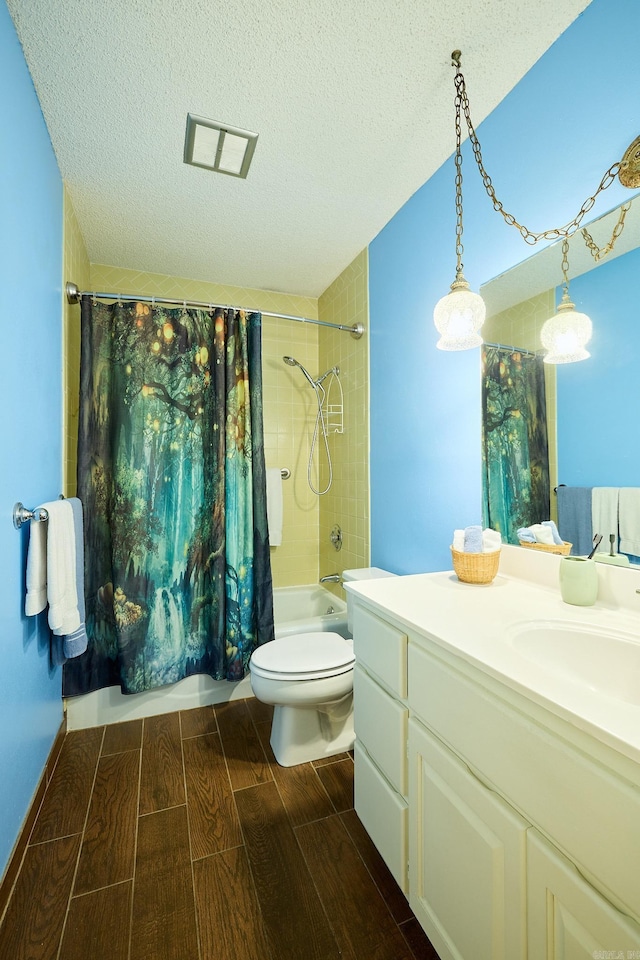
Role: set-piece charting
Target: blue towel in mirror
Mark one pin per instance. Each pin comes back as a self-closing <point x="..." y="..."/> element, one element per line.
<point x="574" y="518"/>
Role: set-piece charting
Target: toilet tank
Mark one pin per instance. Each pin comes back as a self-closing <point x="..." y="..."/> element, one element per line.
<point x="361" y="573"/>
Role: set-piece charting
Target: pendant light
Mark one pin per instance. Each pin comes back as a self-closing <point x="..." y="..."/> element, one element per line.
<point x="566" y="334"/>
<point x="459" y="315"/>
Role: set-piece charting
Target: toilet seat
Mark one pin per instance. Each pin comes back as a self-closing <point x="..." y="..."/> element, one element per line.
<point x="303" y="656"/>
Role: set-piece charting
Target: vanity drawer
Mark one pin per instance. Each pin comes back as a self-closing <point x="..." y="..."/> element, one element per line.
<point x="383" y="813"/>
<point x="597" y="823"/>
<point x="381" y="725"/>
<point x="382" y="649"/>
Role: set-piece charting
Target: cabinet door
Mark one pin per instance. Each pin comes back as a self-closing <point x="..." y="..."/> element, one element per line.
<point x="568" y="919"/>
<point x="467" y="857"/>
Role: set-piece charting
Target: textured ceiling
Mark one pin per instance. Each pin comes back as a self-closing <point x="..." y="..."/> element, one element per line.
<point x="352" y="100"/>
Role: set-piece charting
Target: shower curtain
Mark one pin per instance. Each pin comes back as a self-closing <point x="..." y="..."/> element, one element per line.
<point x="171" y="475"/>
<point x="514" y="441"/>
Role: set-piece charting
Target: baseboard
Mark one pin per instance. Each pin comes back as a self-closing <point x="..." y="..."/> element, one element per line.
<point x="15" y="860"/>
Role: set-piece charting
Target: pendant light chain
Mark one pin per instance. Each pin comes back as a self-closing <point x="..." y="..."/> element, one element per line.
<point x="599" y="253"/>
<point x="527" y="235"/>
<point x="565" y="266"/>
<point x="458" y="160"/>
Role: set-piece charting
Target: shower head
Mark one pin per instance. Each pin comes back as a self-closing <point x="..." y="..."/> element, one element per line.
<point x="294" y="363"/>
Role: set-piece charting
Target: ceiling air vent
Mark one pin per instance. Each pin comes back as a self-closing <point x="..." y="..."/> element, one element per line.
<point x="217" y="146"/>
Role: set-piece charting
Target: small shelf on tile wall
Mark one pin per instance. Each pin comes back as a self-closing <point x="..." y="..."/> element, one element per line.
<point x="333" y="404"/>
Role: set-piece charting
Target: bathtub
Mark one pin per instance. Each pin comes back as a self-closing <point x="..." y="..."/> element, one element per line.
<point x="302" y="609"/>
<point x="307" y="609"/>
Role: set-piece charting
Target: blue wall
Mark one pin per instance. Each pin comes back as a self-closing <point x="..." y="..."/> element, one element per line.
<point x="30" y="398"/>
<point x="546" y="147"/>
<point x="597" y="407"/>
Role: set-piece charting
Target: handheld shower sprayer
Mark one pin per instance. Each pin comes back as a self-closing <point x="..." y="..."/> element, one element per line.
<point x="320" y="425"/>
<point x="295" y="363"/>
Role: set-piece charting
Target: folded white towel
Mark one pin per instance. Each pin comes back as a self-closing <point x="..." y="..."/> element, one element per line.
<point x="491" y="540"/>
<point x="36" y="598"/>
<point x="542" y="534"/>
<point x="62" y="595"/>
<point x="274" y="506"/>
<point x="557" y="539"/>
<point x="629" y="520"/>
<point x="604" y="514"/>
<point x="458" y="541"/>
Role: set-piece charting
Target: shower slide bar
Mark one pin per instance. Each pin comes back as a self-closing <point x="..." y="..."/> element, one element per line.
<point x="74" y="295"/>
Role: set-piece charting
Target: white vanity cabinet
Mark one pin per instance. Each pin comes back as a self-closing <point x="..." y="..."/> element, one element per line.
<point x="380" y="752"/>
<point x="524" y="832"/>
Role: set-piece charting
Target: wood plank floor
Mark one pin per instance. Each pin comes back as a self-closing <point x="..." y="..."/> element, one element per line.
<point x="180" y="838"/>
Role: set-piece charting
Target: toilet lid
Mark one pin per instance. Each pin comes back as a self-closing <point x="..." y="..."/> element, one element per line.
<point x="304" y="656"/>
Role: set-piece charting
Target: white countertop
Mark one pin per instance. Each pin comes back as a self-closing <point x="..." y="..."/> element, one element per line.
<point x="479" y="622"/>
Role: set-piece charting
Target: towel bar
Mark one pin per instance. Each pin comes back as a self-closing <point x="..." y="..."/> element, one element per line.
<point x="22" y="515"/>
<point x="285" y="473"/>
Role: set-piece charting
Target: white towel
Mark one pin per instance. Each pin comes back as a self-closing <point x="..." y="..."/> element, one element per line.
<point x="491" y="540"/>
<point x="629" y="520"/>
<point x="604" y="514"/>
<point x="75" y="643"/>
<point x="541" y="533"/>
<point x="62" y="595"/>
<point x="274" y="506"/>
<point x="458" y="540"/>
<point x="36" y="598"/>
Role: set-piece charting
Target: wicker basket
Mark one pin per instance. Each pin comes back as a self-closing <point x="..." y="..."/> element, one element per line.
<point x="564" y="549"/>
<point x="475" y="567"/>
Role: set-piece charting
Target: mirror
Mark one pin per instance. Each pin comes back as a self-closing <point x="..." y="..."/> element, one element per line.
<point x="591" y="413"/>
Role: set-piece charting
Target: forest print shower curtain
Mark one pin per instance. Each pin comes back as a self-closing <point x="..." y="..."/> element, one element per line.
<point x="515" y="451"/>
<point x="171" y="476"/>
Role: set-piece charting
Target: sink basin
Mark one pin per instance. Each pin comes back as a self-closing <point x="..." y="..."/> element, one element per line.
<point x="591" y="657"/>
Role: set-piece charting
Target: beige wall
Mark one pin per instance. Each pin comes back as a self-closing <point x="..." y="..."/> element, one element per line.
<point x="346" y="301"/>
<point x="520" y="326"/>
<point x="289" y="405"/>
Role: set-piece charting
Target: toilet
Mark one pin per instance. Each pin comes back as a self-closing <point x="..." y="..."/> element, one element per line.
<point x="308" y="678"/>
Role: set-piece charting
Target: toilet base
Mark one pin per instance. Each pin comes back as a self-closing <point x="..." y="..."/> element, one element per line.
<point x="303" y="734"/>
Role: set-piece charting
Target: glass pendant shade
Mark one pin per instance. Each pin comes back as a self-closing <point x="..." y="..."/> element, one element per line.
<point x="458" y="317"/>
<point x="565" y="335"/>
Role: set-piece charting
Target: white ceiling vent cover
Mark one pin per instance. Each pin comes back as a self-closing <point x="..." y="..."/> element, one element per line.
<point x="217" y="146"/>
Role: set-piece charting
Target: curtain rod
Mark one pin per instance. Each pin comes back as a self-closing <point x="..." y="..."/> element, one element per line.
<point x="74" y="295"/>
<point x="502" y="346"/>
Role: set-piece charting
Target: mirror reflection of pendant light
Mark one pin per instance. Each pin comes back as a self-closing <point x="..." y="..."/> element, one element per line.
<point x="566" y="334"/>
<point x="459" y="315"/>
